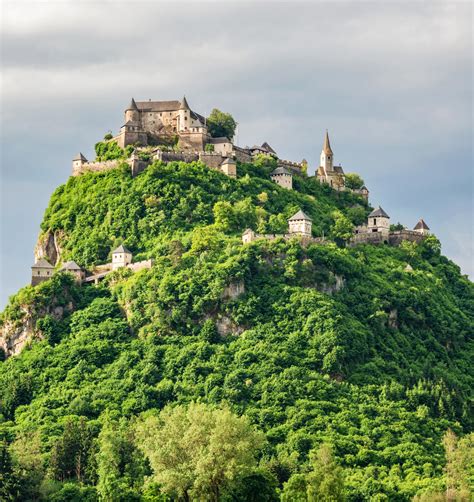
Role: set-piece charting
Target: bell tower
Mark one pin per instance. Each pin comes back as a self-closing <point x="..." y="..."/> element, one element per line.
<point x="327" y="155"/>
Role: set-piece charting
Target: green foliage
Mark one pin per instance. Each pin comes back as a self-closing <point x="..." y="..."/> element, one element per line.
<point x="353" y="181"/>
<point x="221" y="124"/>
<point x="108" y="150"/>
<point x="209" y="147"/>
<point x="196" y="451"/>
<point x="108" y="136"/>
<point x="311" y="345"/>
<point x="265" y="160"/>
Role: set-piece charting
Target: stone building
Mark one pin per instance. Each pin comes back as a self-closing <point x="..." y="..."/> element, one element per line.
<point x="222" y="145"/>
<point x="300" y="224"/>
<point x="327" y="172"/>
<point x="73" y="268"/>
<point x="281" y="176"/>
<point x="41" y="271"/>
<point x="362" y="191"/>
<point x="378" y="221"/>
<point x="152" y="120"/>
<point x="121" y="257"/>
<point x="229" y="167"/>
<point x="77" y="163"/>
<point x="422" y="228"/>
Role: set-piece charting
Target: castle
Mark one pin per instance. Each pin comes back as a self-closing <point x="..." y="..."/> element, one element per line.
<point x="149" y="123"/>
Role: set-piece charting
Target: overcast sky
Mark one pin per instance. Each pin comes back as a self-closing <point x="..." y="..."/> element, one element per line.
<point x="392" y="82"/>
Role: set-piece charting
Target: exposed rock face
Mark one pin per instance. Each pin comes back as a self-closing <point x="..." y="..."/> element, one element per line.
<point x="335" y="287"/>
<point x="48" y="246"/>
<point x="233" y="290"/>
<point x="14" y="335"/>
<point x="225" y="326"/>
<point x="393" y="319"/>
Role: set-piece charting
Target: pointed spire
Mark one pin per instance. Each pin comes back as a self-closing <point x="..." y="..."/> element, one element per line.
<point x="132" y="105"/>
<point x="184" y="104"/>
<point x="327" y="145"/>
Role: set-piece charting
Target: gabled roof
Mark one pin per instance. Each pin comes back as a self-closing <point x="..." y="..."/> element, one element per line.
<point x="121" y="249"/>
<point x="198" y="116"/>
<point x="132" y="105"/>
<point x="280" y="170"/>
<point x="363" y="187"/>
<point x="248" y="231"/>
<point x="42" y="263"/>
<point x="184" y="104"/>
<point x="421" y="225"/>
<point x="267" y="147"/>
<point x="228" y="160"/>
<point x="79" y="156"/>
<point x="327" y="145"/>
<point x="71" y="265"/>
<point x="216" y="141"/>
<point x="338" y="169"/>
<point x="378" y="212"/>
<point x="300" y="216"/>
<point x="158" y="106"/>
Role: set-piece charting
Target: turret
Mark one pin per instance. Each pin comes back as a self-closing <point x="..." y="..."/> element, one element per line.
<point x="41" y="271"/>
<point x="132" y="113"/>
<point x="121" y="257"/>
<point x="327" y="155"/>
<point x="300" y="223"/>
<point x="77" y="162"/>
<point x="422" y="228"/>
<point x="229" y="167"/>
<point x="378" y="221"/>
<point x="281" y="176"/>
<point x="184" y="115"/>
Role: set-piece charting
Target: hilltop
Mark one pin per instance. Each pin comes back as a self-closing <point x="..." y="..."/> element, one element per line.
<point x="365" y="348"/>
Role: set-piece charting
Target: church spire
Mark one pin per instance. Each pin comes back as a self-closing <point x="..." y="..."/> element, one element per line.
<point x="327" y="145"/>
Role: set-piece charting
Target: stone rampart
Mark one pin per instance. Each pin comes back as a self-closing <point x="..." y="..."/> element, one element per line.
<point x="140" y="265"/>
<point x="395" y="238"/>
<point x="211" y="159"/>
<point x="295" y="167"/>
<point x="242" y="154"/>
<point x="105" y="165"/>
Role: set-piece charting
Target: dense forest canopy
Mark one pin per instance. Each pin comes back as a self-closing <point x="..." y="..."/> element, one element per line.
<point x="270" y="371"/>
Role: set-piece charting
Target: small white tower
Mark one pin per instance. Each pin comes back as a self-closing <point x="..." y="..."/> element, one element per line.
<point x="281" y="176"/>
<point x="378" y="221"/>
<point x="41" y="271"/>
<point x="121" y="257"/>
<point x="300" y="224"/>
<point x="229" y="167"/>
<point x="184" y="116"/>
<point x="77" y="162"/>
<point x="327" y="155"/>
<point x="422" y="228"/>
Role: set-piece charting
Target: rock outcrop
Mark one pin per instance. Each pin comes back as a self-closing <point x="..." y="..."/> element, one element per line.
<point x="48" y="246"/>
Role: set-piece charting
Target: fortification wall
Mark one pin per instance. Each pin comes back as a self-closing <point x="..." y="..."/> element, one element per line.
<point x="95" y="167"/>
<point x="295" y="167"/>
<point x="241" y="154"/>
<point x="211" y="159"/>
<point x="176" y="156"/>
<point x="140" y="265"/>
<point x="396" y="238"/>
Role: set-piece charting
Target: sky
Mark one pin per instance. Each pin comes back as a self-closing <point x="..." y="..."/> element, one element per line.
<point x="391" y="81"/>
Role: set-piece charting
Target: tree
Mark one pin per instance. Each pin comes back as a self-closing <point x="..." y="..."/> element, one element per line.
<point x="397" y="227"/>
<point x="195" y="451"/>
<point x="220" y="124"/>
<point x="459" y="463"/>
<point x="342" y="228"/>
<point x="325" y="482"/>
<point x="209" y="147"/>
<point x="120" y="466"/>
<point x="353" y="181"/>
<point x="265" y="160"/>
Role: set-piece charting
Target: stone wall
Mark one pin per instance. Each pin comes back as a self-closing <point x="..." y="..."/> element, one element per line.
<point x="211" y="159"/>
<point x="176" y="156"/>
<point x="294" y="167"/>
<point x="396" y="238"/>
<point x="105" y="165"/>
<point x="241" y="154"/>
<point x="140" y="265"/>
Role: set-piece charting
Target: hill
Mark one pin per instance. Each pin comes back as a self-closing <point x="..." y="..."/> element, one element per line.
<point x="318" y="344"/>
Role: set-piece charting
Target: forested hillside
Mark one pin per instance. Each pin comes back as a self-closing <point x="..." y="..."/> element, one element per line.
<point x="269" y="371"/>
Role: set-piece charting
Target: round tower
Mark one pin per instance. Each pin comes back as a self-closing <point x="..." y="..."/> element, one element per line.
<point x="184" y="116"/>
<point x="132" y="113"/>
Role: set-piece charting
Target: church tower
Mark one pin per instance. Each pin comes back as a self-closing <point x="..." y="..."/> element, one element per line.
<point x="327" y="155"/>
<point x="184" y="116"/>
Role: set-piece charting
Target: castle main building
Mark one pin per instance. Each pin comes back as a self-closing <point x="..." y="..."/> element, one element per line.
<point x="146" y="121"/>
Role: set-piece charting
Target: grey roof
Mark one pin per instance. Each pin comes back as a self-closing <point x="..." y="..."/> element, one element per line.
<point x="158" y="106"/>
<point x="121" y="249"/>
<point x="421" y="224"/>
<point x="300" y="216"/>
<point x="256" y="147"/>
<point x="378" y="212"/>
<point x="71" y="265"/>
<point x="42" y="263"/>
<point x="228" y="160"/>
<point x="268" y="147"/>
<point x="79" y="156"/>
<point x="184" y="104"/>
<point x="327" y="145"/>
<point x="363" y="187"/>
<point x="338" y="169"/>
<point x="198" y="116"/>
<point x="132" y="105"/>
<point x="216" y="141"/>
<point x="280" y="170"/>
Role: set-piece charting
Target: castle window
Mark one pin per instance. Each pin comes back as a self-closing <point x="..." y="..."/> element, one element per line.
<point x="375" y="221"/>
